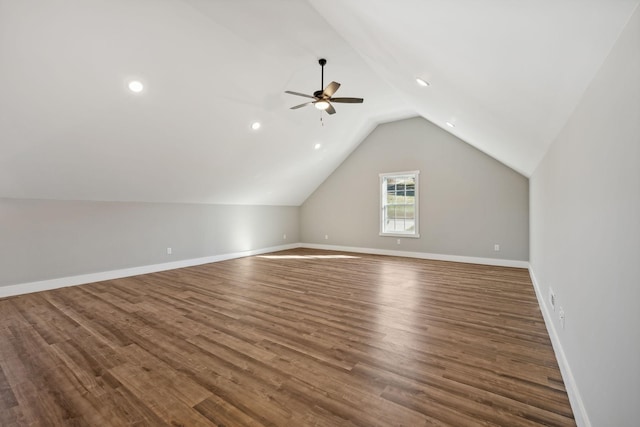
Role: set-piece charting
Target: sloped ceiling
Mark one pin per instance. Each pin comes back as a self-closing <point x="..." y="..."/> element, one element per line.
<point x="506" y="74"/>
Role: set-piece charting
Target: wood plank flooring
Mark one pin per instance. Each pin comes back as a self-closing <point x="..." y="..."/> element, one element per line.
<point x="294" y="338"/>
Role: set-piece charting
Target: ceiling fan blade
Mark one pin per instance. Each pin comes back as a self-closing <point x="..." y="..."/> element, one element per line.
<point x="299" y="94"/>
<point x="348" y="100"/>
<point x="330" y="89"/>
<point x="330" y="109"/>
<point x="300" y="106"/>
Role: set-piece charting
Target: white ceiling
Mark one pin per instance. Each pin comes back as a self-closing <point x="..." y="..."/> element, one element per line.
<point x="507" y="74"/>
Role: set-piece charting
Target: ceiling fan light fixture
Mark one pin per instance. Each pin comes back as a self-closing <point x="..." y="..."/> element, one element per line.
<point x="321" y="105"/>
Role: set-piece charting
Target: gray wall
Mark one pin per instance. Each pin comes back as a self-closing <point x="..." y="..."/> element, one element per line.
<point x="468" y="201"/>
<point x="585" y="236"/>
<point x="42" y="239"/>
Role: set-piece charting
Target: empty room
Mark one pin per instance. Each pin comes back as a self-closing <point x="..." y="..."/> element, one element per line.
<point x="319" y="213"/>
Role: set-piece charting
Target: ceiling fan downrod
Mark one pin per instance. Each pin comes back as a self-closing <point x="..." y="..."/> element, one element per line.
<point x="322" y="63"/>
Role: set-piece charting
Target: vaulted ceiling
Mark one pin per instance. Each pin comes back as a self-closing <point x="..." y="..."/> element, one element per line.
<point x="506" y="74"/>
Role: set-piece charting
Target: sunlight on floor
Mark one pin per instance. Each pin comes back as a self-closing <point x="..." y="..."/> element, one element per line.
<point x="398" y="297"/>
<point x="308" y="256"/>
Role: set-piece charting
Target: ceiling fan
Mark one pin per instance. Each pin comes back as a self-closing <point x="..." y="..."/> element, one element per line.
<point x="322" y="99"/>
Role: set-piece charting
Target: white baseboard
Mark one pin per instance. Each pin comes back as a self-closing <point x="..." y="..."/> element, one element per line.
<point x="421" y="255"/>
<point x="62" y="282"/>
<point x="579" y="411"/>
<point x="44" y="285"/>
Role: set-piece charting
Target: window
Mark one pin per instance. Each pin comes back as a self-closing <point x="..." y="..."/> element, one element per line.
<point x="399" y="204"/>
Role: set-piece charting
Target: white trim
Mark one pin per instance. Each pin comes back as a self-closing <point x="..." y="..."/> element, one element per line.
<point x="579" y="411"/>
<point x="383" y="174"/>
<point x="422" y="255"/>
<point x="62" y="282"/>
<point x="45" y="285"/>
<point x="408" y="236"/>
<point x="416" y="203"/>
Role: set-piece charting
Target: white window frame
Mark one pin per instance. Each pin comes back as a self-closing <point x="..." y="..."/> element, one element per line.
<point x="383" y="204"/>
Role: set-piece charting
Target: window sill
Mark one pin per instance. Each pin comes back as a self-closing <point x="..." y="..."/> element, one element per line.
<point x="410" y="236"/>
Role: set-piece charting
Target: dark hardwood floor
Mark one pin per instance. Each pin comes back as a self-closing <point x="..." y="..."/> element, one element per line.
<point x="295" y="338"/>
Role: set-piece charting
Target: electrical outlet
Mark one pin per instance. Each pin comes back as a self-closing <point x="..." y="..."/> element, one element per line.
<point x="496" y="247"/>
<point x="552" y="299"/>
<point x="398" y="241"/>
<point x="284" y="237"/>
<point x="326" y="237"/>
<point x="561" y="316"/>
<point x="169" y="251"/>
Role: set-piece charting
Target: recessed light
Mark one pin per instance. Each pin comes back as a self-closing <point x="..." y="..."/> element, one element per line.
<point x="422" y="83"/>
<point x="451" y="125"/>
<point x="136" y="86"/>
<point x="317" y="146"/>
<point x="255" y="125"/>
